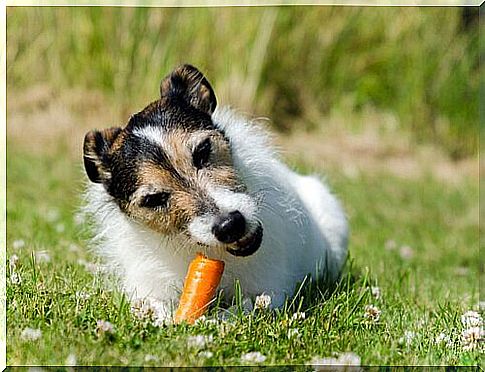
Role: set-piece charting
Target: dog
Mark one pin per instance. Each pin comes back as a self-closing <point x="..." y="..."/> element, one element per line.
<point x="185" y="176"/>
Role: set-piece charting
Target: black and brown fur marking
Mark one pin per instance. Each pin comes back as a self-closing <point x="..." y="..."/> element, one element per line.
<point x="133" y="167"/>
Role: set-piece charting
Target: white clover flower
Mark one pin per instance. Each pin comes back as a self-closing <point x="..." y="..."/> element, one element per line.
<point x="205" y="320"/>
<point x="73" y="248"/>
<point x="79" y="218"/>
<point x="52" y="215"/>
<point x="150" y="358"/>
<point x="199" y="341"/>
<point x="42" y="256"/>
<point x="407" y="339"/>
<point x="349" y="359"/>
<point x="390" y="245"/>
<point x="89" y="266"/>
<point x="253" y="357"/>
<point x="103" y="326"/>
<point x="299" y="315"/>
<point x="406" y="252"/>
<point x="372" y="313"/>
<point x="344" y="359"/>
<point x="12" y="262"/>
<point x="262" y="302"/>
<point x="471" y="337"/>
<point x="71" y="360"/>
<point x="82" y="295"/>
<point x="18" y="244"/>
<point x="443" y="338"/>
<point x="206" y="354"/>
<point x="151" y="310"/>
<point x="376" y="292"/>
<point x="15" y="278"/>
<point x="31" y="334"/>
<point x="471" y="319"/>
<point x="293" y="333"/>
<point x="60" y="228"/>
<point x="142" y="309"/>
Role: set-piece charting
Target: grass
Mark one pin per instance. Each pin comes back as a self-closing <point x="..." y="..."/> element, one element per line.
<point x="425" y="292"/>
<point x="419" y="64"/>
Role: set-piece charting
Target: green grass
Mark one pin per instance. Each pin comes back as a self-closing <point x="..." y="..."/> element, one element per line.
<point x="418" y="64"/>
<point x="425" y="294"/>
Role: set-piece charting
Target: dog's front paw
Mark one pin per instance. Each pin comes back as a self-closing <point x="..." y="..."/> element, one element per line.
<point x="159" y="313"/>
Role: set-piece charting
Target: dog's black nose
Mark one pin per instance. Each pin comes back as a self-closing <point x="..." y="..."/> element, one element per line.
<point x="230" y="227"/>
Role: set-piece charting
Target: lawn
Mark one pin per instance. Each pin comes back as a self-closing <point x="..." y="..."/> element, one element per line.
<point x="413" y="256"/>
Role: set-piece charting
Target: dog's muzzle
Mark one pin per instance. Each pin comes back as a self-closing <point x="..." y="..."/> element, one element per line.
<point x="249" y="244"/>
<point x="231" y="229"/>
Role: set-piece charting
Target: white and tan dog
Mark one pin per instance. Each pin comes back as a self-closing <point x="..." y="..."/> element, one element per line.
<point x="183" y="176"/>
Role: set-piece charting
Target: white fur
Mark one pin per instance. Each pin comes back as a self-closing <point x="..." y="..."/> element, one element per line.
<point x="305" y="229"/>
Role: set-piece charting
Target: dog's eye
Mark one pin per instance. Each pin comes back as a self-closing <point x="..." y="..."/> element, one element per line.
<point x="158" y="200"/>
<point x="201" y="154"/>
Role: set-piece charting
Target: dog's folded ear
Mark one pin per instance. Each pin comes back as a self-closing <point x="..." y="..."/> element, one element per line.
<point x="96" y="153"/>
<point x="188" y="83"/>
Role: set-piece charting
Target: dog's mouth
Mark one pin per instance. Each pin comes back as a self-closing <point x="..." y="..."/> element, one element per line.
<point x="249" y="244"/>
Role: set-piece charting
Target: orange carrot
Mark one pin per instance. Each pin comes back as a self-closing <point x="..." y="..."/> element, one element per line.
<point x="200" y="287"/>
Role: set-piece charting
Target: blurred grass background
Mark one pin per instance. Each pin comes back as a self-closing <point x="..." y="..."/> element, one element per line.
<point x="292" y="64"/>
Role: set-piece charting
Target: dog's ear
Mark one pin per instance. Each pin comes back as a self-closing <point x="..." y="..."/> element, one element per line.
<point x="96" y="148"/>
<point x="189" y="84"/>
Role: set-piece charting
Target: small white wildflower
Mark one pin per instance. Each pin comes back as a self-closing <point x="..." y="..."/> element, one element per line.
<point x="73" y="248"/>
<point x="299" y="315"/>
<point x="142" y="309"/>
<point x="103" y="326"/>
<point x="71" y="360"/>
<point x="262" y="301"/>
<point x="42" y="256"/>
<point x="225" y="327"/>
<point x="372" y="313"/>
<point x="462" y="271"/>
<point x="89" y="266"/>
<point x="150" y="358"/>
<point x="31" y="334"/>
<point x="60" y="228"/>
<point x="205" y="320"/>
<point x="82" y="295"/>
<point x="18" y="244"/>
<point x="253" y="357"/>
<point x="199" y="341"/>
<point x="443" y="338"/>
<point x="349" y="359"/>
<point x="406" y="252"/>
<point x="471" y="337"/>
<point x="15" y="278"/>
<point x="206" y="354"/>
<point x="471" y="319"/>
<point x="12" y="262"/>
<point x="52" y="215"/>
<point x="376" y="292"/>
<point x="390" y="245"/>
<point x="320" y="364"/>
<point x="407" y="339"/>
<point x="79" y="218"/>
<point x="344" y="359"/>
<point x="293" y="333"/>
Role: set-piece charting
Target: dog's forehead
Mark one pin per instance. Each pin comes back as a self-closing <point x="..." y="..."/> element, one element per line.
<point x="170" y="114"/>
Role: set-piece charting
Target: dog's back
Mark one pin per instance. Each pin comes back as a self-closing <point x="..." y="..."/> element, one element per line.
<point x="306" y="229"/>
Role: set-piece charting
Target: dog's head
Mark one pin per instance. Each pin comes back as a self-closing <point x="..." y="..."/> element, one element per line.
<point x="171" y="169"/>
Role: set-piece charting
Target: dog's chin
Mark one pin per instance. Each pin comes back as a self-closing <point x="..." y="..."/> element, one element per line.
<point x="249" y="244"/>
